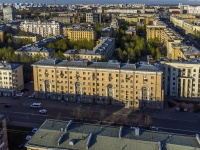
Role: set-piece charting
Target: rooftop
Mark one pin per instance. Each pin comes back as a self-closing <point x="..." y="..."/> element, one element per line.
<point x="8" y="66"/>
<point x="65" y="135"/>
<point x="103" y="65"/>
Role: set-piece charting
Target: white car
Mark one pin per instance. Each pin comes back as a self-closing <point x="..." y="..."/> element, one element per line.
<point x="34" y="130"/>
<point x="31" y="82"/>
<point x="42" y="111"/>
<point x="19" y="94"/>
<point x="28" y="137"/>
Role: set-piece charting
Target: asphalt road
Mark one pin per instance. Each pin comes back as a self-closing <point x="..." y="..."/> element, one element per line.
<point x="21" y="114"/>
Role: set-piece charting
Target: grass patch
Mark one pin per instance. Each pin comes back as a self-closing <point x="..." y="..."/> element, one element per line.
<point x="17" y="135"/>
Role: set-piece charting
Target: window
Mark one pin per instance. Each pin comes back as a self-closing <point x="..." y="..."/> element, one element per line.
<point x="136" y="81"/>
<point x="136" y="76"/>
<point x="152" y="77"/>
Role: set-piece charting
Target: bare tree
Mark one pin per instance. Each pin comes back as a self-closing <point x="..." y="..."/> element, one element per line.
<point x="126" y="119"/>
<point x="102" y="115"/>
<point x="147" y="120"/>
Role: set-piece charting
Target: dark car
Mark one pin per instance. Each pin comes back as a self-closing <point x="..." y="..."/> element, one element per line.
<point x="7" y="105"/>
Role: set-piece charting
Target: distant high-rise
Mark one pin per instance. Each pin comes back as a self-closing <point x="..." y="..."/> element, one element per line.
<point x="8" y="13"/>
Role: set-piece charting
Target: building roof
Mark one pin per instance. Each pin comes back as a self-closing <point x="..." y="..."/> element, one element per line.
<point x="34" y="48"/>
<point x="105" y="137"/>
<point x="103" y="65"/>
<point x="8" y="66"/>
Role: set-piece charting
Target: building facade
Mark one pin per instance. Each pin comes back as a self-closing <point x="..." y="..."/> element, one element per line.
<point x="181" y="79"/>
<point x="11" y="78"/>
<point x="79" y="33"/>
<point x="34" y="50"/>
<point x="3" y="133"/>
<point x="156" y="30"/>
<point x="102" y="51"/>
<point x="45" y="29"/>
<point x="18" y="39"/>
<point x="93" y="17"/>
<point x="8" y="13"/>
<point x="132" y="85"/>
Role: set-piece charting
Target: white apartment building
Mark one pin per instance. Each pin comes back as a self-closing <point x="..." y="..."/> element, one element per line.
<point x="181" y="79"/>
<point x="11" y="78"/>
<point x="45" y="29"/>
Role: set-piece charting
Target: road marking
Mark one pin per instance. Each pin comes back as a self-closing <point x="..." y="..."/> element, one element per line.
<point x="178" y="129"/>
<point x="30" y="114"/>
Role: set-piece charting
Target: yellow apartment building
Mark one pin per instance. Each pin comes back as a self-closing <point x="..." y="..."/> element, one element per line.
<point x="103" y="50"/>
<point x="11" y="78"/>
<point x="18" y="39"/>
<point x="132" y="85"/>
<point x="79" y="33"/>
<point x="156" y="30"/>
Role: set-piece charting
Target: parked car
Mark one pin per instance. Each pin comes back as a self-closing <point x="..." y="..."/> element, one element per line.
<point x="34" y="130"/>
<point x="43" y="111"/>
<point x="28" y="137"/>
<point x="154" y="128"/>
<point x="31" y="82"/>
<point x="32" y="95"/>
<point x="19" y="94"/>
<point x="36" y="105"/>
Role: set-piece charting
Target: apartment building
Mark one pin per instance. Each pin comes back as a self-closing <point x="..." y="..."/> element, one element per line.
<point x="131" y="85"/>
<point x="8" y="13"/>
<point x="169" y="38"/>
<point x="18" y="39"/>
<point x="33" y="50"/>
<point x="11" y="78"/>
<point x="3" y="30"/>
<point x="188" y="25"/>
<point x="156" y="30"/>
<point x="130" y="31"/>
<point x="181" y="78"/>
<point x="107" y="32"/>
<point x="60" y="135"/>
<point x="93" y="17"/>
<point x="3" y="133"/>
<point x="45" y="29"/>
<point x="181" y="51"/>
<point x="103" y="50"/>
<point x="79" y="33"/>
<point x="63" y="19"/>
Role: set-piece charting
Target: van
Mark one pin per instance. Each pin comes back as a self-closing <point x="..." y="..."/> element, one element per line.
<point x="36" y="105"/>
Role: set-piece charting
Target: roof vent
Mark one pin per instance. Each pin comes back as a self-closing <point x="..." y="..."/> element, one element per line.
<point x="72" y="142"/>
<point x="159" y="145"/>
<point x="137" y="131"/>
<point x="88" y="142"/>
<point x="60" y="139"/>
<point x="120" y="132"/>
<point x="68" y="125"/>
<point x="198" y="138"/>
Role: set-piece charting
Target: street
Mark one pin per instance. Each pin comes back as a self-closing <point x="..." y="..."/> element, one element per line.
<point x="19" y="113"/>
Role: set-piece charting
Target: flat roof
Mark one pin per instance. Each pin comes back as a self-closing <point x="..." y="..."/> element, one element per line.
<point x="102" y="65"/>
<point x="105" y="137"/>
